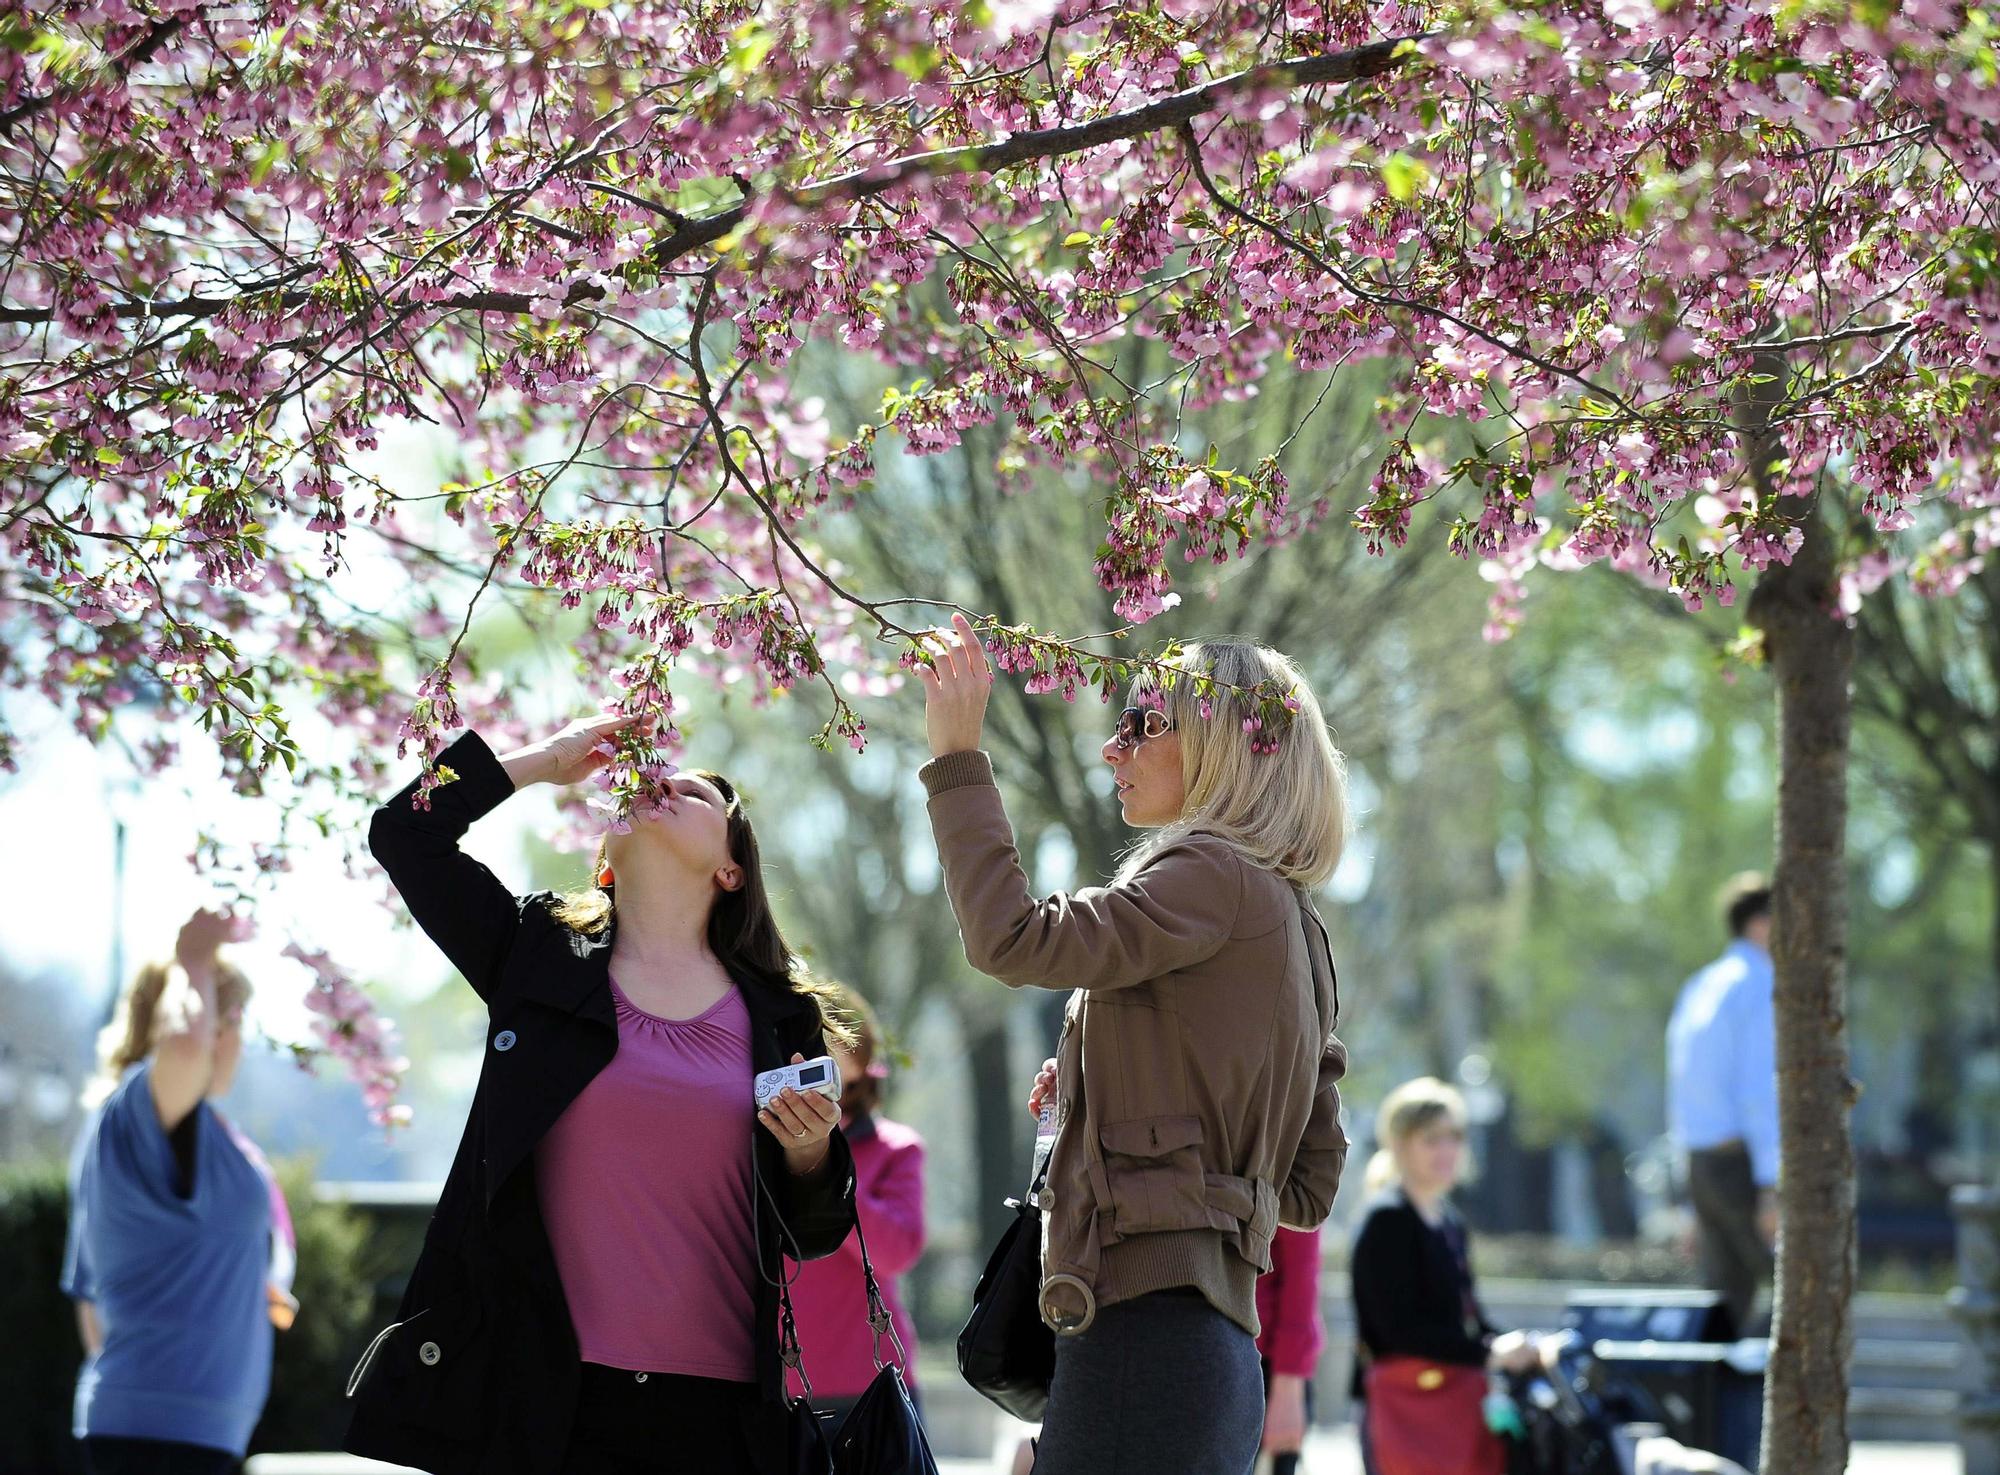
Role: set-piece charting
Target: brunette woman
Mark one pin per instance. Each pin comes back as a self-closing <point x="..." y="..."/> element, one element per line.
<point x="597" y="1289"/>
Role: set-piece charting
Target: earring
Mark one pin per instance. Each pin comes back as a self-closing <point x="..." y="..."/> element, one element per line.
<point x="605" y="878"/>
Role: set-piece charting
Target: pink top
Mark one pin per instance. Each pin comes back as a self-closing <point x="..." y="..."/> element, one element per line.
<point x="1288" y="1304"/>
<point x="830" y="1298"/>
<point x="645" y="1189"/>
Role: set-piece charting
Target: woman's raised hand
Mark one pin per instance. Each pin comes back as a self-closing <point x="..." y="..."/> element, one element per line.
<point x="571" y="755"/>
<point x="956" y="689"/>
<point x="204" y="933"/>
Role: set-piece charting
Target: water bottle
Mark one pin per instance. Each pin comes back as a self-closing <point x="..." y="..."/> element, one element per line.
<point x="1045" y="1136"/>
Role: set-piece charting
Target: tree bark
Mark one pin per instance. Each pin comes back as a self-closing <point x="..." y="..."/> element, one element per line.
<point x="1811" y="653"/>
<point x="1001" y="1130"/>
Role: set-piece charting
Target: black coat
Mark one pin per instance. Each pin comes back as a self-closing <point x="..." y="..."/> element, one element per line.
<point x="479" y="1372"/>
<point x="1413" y="1290"/>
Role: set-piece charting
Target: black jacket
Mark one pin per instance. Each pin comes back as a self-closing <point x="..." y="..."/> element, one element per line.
<point x="1413" y="1292"/>
<point x="479" y="1372"/>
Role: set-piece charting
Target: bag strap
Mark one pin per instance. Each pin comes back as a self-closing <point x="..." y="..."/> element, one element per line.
<point x="790" y="1353"/>
<point x="1326" y="941"/>
<point x="879" y="1320"/>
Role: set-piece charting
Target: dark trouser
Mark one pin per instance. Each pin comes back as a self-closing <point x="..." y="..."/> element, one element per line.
<point x="658" y="1424"/>
<point x="1734" y="1258"/>
<point x="1291" y="1463"/>
<point x="155" y="1457"/>
<point x="1163" y="1383"/>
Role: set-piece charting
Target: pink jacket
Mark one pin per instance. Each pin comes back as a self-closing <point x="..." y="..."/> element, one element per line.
<point x="1288" y="1304"/>
<point x="829" y="1296"/>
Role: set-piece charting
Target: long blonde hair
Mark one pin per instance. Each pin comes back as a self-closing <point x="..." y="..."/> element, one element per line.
<point x="1411" y="1108"/>
<point x="1283" y="809"/>
<point x="128" y="1038"/>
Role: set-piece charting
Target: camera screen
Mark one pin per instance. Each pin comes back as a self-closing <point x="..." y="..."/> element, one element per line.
<point x="812" y="1075"/>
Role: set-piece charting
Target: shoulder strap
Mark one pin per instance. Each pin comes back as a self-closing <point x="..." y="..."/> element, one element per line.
<point x="1326" y="942"/>
<point x="879" y="1320"/>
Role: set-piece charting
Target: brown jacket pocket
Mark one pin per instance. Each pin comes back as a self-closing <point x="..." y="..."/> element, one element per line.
<point x="1153" y="1170"/>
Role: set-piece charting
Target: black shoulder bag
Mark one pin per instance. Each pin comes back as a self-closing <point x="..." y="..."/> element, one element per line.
<point x="881" y="1434"/>
<point x="1006" y="1351"/>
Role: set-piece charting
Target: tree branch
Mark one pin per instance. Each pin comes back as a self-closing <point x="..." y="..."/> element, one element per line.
<point x="1021" y="148"/>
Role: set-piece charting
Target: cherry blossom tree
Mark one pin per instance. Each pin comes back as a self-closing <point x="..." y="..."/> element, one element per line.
<point x="1716" y="289"/>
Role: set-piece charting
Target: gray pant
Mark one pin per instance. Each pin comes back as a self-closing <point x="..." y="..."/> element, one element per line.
<point x="1734" y="1258"/>
<point x="1162" y="1384"/>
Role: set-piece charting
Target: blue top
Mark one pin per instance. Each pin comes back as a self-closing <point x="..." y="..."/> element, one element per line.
<point x="178" y="1281"/>
<point x="1722" y="1065"/>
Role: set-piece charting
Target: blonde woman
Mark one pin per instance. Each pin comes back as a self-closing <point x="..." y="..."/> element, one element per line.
<point x="1425" y="1345"/>
<point x="172" y="1214"/>
<point x="1195" y="1076"/>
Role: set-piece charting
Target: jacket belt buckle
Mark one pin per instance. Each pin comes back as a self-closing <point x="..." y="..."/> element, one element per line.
<point x="1062" y="1322"/>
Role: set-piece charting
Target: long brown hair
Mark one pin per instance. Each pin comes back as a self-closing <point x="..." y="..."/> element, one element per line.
<point x="128" y="1038"/>
<point x="742" y="930"/>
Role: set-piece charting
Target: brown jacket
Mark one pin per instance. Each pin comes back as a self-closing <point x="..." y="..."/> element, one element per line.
<point x="1197" y="1101"/>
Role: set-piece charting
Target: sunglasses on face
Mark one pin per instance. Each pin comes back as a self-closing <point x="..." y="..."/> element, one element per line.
<point x="1136" y="724"/>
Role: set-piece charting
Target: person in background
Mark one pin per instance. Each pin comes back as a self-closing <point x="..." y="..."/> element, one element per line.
<point x="1424" y="1345"/>
<point x="829" y="1297"/>
<point x="179" y="1247"/>
<point x="1293" y="1336"/>
<point x="1722" y="1101"/>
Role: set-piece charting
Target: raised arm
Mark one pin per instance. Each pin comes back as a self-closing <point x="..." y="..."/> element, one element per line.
<point x="1178" y="910"/>
<point x="461" y="905"/>
<point x="187" y="1022"/>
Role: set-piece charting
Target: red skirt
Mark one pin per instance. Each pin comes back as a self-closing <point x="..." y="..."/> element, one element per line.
<point x="1425" y="1418"/>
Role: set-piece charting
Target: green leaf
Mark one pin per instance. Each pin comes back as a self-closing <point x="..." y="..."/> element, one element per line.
<point x="1078" y="238"/>
<point x="1403" y="177"/>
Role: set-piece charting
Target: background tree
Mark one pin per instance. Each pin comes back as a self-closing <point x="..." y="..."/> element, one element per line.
<point x="1738" y="254"/>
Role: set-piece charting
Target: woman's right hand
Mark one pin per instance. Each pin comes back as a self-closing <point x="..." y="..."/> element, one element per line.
<point x="1514" y="1352"/>
<point x="571" y="755"/>
<point x="1044" y="1089"/>
<point x="201" y="936"/>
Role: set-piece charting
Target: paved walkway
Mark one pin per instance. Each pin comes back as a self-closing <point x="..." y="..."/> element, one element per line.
<point x="1333" y="1452"/>
<point x="1328" y="1452"/>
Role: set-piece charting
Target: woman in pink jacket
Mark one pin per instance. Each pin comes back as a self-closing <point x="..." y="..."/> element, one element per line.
<point x="829" y="1296"/>
<point x="1293" y="1337"/>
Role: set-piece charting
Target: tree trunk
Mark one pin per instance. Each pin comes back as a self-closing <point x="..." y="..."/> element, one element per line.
<point x="1002" y="1134"/>
<point x="1811" y="656"/>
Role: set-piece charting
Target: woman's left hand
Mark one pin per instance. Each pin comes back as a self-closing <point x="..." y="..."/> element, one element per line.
<point x="956" y="689"/>
<point x="1285" y="1415"/>
<point x="802" y="1121"/>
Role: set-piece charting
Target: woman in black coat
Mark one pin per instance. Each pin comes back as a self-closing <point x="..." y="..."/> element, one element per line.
<point x="483" y="1369"/>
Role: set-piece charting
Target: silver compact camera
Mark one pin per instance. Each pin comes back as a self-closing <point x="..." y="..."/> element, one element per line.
<point x="820" y="1075"/>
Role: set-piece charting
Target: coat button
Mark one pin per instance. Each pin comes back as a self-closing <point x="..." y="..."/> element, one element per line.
<point x="429" y="1354"/>
<point x="504" y="1040"/>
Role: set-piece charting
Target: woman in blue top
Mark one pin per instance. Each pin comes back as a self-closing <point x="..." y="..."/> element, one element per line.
<point x="170" y="1258"/>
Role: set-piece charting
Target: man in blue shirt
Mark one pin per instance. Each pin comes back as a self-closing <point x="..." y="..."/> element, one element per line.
<point x="1722" y="1101"/>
